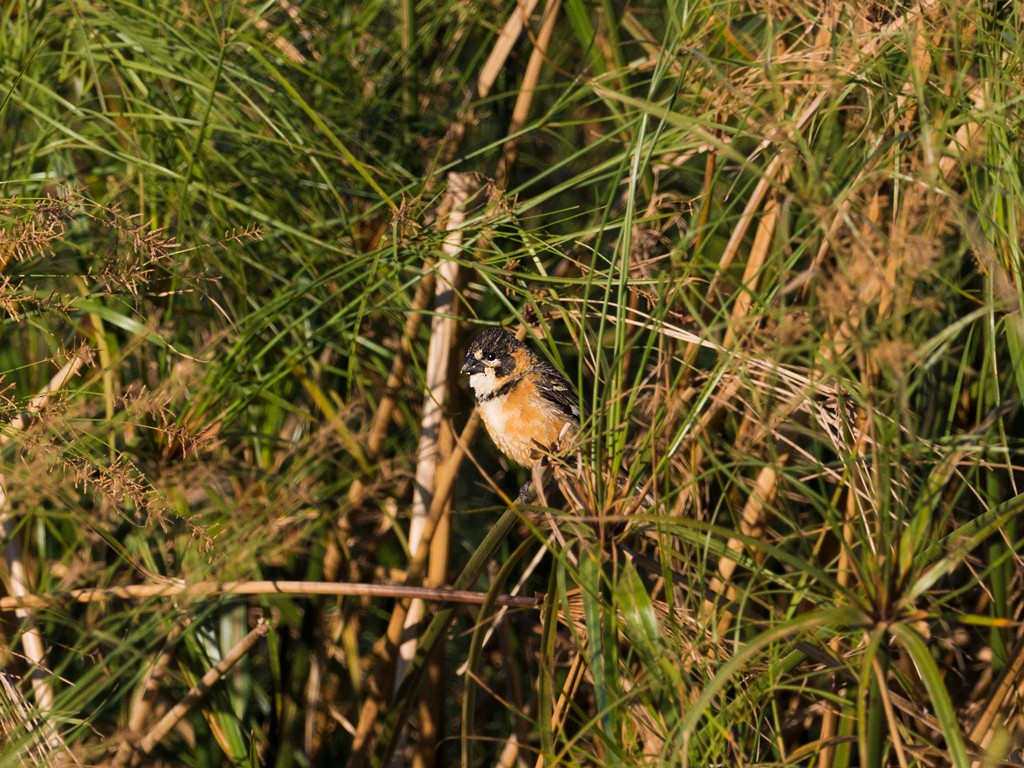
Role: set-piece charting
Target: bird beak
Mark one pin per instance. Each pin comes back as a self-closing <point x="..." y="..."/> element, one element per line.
<point x="471" y="365"/>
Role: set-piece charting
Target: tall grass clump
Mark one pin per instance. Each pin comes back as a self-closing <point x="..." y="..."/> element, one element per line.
<point x="248" y="516"/>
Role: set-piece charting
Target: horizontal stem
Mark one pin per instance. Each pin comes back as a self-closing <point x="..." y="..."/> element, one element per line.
<point x="211" y="588"/>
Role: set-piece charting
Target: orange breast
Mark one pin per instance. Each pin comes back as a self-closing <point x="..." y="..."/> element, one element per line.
<point x="518" y="423"/>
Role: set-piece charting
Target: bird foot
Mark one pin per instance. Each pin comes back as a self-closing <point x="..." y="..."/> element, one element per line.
<point x="526" y="492"/>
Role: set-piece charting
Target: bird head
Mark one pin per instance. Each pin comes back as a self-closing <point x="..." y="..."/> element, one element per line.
<point x="494" y="358"/>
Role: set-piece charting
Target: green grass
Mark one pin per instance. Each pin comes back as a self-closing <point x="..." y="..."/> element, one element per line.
<point x="778" y="249"/>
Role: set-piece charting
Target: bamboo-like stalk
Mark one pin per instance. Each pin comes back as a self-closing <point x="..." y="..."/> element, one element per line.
<point x="429" y="454"/>
<point x="573" y="679"/>
<point x="334" y="556"/>
<point x="31" y="639"/>
<point x="431" y="722"/>
<point x="527" y="89"/>
<point x="434" y="633"/>
<point x="386" y="408"/>
<point x="752" y="272"/>
<point x="208" y="589"/>
<point x="147" y="697"/>
<point x="199" y="691"/>
<point x="752" y="521"/>
<point x="1002" y="705"/>
<point x="489" y="72"/>
<point x="776" y="173"/>
<point x="434" y="479"/>
<point x="442" y="337"/>
<point x="510" y="32"/>
<point x="830" y="721"/>
<point x="383" y="649"/>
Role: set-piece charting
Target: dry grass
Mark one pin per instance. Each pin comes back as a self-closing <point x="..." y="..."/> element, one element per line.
<point x="778" y="250"/>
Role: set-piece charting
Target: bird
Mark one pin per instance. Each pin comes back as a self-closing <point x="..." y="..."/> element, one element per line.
<point x="532" y="413"/>
<point x="529" y="409"/>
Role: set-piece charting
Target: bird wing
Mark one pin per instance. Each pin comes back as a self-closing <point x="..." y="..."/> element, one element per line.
<point x="556" y="390"/>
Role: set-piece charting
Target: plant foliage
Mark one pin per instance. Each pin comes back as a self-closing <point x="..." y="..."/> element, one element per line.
<point x="776" y="246"/>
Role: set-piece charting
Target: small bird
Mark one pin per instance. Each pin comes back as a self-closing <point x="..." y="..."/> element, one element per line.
<point x="528" y="407"/>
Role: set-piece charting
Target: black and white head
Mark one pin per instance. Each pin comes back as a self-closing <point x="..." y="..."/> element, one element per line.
<point x="495" y="358"/>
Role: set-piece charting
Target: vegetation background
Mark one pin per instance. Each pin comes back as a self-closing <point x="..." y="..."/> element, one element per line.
<point x="776" y="245"/>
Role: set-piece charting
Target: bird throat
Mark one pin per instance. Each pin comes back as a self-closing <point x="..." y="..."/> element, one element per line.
<point x="501" y="391"/>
